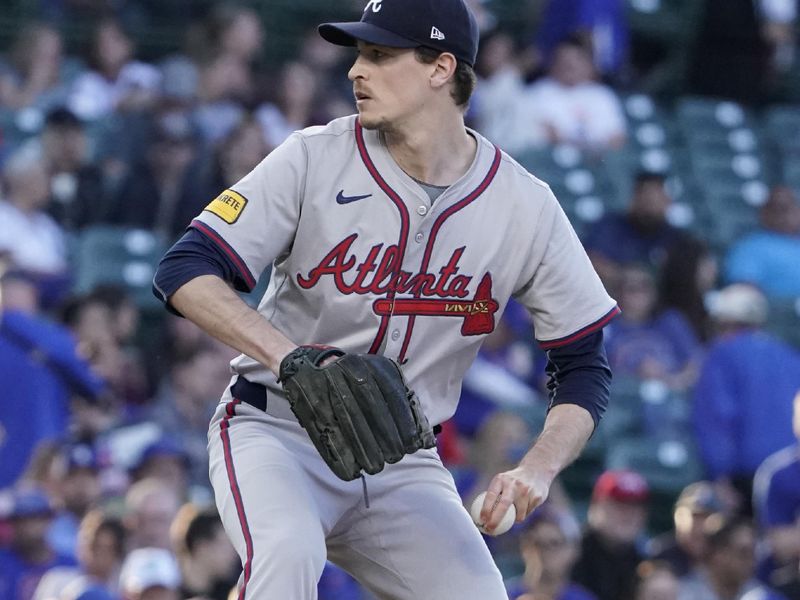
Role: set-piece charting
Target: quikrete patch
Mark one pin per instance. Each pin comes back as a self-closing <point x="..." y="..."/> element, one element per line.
<point x="228" y="206"/>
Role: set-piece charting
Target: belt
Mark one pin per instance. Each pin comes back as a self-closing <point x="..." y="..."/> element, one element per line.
<point x="255" y="394"/>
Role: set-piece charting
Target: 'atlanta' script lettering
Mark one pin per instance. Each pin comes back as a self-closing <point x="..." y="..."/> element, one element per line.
<point x="379" y="273"/>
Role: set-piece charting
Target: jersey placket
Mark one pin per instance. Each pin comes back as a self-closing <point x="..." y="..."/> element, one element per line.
<point x="440" y="220"/>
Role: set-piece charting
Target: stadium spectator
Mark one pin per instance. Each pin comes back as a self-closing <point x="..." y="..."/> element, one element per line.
<point x="728" y="569"/>
<point x="76" y="484"/>
<point x="648" y="344"/>
<point x="655" y="580"/>
<point x="570" y="106"/>
<point x="40" y="371"/>
<point x="96" y="325"/>
<point x="233" y="30"/>
<point x="742" y="408"/>
<point x="230" y="30"/>
<point x="689" y="272"/>
<point x="241" y="150"/>
<point x="778" y="23"/>
<point x="330" y="64"/>
<point x="611" y="542"/>
<point x="496" y="106"/>
<point x="76" y="184"/>
<point x="225" y="87"/>
<point x="150" y="507"/>
<point x="18" y="291"/>
<point x="768" y="257"/>
<point x="601" y="24"/>
<point x="295" y="105"/>
<point x="789" y="584"/>
<point x="641" y="234"/>
<point x="101" y="549"/>
<point x="150" y="574"/>
<point x="164" y="460"/>
<point x="208" y="562"/>
<point x="29" y="555"/>
<point x="683" y="548"/>
<point x="184" y="404"/>
<point x="117" y="82"/>
<point x="549" y="547"/>
<point x="35" y="74"/>
<point x="34" y="241"/>
<point x="776" y="501"/>
<point x="162" y="192"/>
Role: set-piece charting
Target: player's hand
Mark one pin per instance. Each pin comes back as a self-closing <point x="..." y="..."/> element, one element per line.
<point x="525" y="487"/>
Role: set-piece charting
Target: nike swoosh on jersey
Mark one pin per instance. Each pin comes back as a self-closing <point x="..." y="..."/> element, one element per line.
<point x="342" y="199"/>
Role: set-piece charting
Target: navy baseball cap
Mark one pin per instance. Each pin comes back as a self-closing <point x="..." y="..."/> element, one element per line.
<point x="445" y="25"/>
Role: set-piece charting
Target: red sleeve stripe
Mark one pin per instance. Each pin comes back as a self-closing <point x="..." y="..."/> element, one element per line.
<point x="591" y="328"/>
<point x="226" y="249"/>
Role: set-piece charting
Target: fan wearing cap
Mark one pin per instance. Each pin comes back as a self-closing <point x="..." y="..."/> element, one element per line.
<point x="683" y="548"/>
<point x="150" y="574"/>
<point x="742" y="402"/>
<point x="402" y="233"/>
<point x="610" y="549"/>
<point x="29" y="555"/>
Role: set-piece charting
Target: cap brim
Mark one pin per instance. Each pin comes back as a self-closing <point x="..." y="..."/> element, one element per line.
<point x="347" y="34"/>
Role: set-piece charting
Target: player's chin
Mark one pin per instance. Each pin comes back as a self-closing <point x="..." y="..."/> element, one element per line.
<point x="369" y="120"/>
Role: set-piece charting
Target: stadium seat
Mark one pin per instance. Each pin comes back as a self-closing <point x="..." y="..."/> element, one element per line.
<point x="698" y="114"/>
<point x="782" y="125"/>
<point x="584" y="190"/>
<point x="668" y="463"/>
<point x="119" y="255"/>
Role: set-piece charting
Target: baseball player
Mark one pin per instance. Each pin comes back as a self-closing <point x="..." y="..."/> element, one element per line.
<point x="395" y="233"/>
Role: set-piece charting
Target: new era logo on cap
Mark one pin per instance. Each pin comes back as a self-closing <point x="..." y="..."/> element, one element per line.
<point x="436" y="34"/>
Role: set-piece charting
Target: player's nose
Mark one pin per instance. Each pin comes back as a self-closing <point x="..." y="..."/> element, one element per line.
<point x="357" y="70"/>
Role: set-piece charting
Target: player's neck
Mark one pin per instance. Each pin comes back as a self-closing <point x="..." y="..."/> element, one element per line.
<point x="437" y="152"/>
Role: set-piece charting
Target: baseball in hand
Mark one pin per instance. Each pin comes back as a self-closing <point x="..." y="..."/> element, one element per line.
<point x="505" y="524"/>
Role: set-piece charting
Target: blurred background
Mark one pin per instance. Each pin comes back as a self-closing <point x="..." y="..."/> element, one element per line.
<point x="669" y="131"/>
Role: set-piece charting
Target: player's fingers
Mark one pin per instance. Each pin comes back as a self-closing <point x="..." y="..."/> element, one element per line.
<point x="501" y="508"/>
<point x="493" y="494"/>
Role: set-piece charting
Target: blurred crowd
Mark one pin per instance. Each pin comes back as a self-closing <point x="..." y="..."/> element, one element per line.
<point x="690" y="488"/>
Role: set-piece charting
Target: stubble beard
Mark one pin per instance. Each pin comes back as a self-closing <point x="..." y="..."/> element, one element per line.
<point x="379" y="124"/>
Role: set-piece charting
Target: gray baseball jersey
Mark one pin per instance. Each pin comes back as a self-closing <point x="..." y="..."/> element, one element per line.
<point x="364" y="261"/>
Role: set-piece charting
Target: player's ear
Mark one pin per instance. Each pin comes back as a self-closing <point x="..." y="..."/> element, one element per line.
<point x="444" y="69"/>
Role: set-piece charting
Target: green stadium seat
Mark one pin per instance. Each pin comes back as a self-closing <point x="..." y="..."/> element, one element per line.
<point x="782" y="125"/>
<point x="697" y="114"/>
<point x="584" y="190"/>
<point x="119" y="255"/>
<point x="668" y="463"/>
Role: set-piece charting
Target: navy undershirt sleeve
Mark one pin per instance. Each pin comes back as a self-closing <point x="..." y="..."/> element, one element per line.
<point x="578" y="373"/>
<point x="192" y="256"/>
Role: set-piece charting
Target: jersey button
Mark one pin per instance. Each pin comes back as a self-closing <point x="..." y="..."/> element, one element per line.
<point x="418" y="238"/>
<point x="422" y="210"/>
<point x="396" y="334"/>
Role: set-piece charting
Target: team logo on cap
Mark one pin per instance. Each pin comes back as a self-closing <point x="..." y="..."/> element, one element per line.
<point x="436" y="34"/>
<point x="375" y="4"/>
